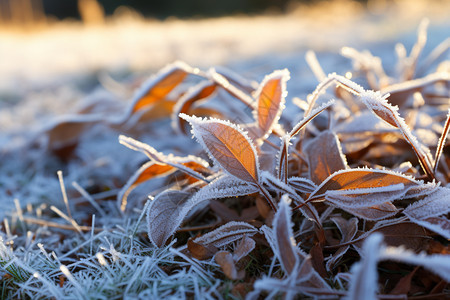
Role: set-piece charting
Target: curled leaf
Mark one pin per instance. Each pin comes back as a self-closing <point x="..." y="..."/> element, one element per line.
<point x="201" y="91"/>
<point x="159" y="86"/>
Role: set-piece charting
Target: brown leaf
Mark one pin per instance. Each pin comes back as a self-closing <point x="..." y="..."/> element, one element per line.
<point x="200" y="251"/>
<point x="324" y="156"/>
<point x="226" y="262"/>
<point x="158" y="87"/>
<point x="270" y="100"/>
<point x="375" y="212"/>
<point x="286" y="247"/>
<point x="245" y="246"/>
<point x="404" y="284"/>
<point x="406" y="234"/>
<point x="317" y="260"/>
<point x="228" y="145"/>
<point x="146" y="172"/>
<point x="199" y="92"/>
<point x="351" y="179"/>
<point x="348" y="229"/>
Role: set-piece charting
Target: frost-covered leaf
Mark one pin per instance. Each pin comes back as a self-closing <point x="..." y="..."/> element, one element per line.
<point x="441" y="142"/>
<point x="435" y="204"/>
<point x="302" y="185"/>
<point x="306" y="119"/>
<point x="234" y="91"/>
<point x="245" y="246"/>
<point x="384" y="110"/>
<point x="165" y="214"/>
<point x="170" y="208"/>
<point x="226" y="234"/>
<point x="435" y="263"/>
<point x="286" y="248"/>
<point x="282" y="159"/>
<point x="198" y="92"/>
<point x="228" y="266"/>
<point x="307" y="209"/>
<point x="159" y="165"/>
<point x="375" y="212"/>
<point x="352" y="180"/>
<point x="270" y="97"/>
<point x="228" y="145"/>
<point x="158" y="87"/>
<point x="324" y="156"/>
<point x="348" y="229"/>
<point x="364" y="278"/>
<point x="147" y="171"/>
<point x="440" y="225"/>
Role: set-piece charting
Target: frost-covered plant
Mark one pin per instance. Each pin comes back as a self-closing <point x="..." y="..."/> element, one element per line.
<point x="293" y="198"/>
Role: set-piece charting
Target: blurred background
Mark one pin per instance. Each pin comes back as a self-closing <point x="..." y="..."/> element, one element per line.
<point x="46" y="40"/>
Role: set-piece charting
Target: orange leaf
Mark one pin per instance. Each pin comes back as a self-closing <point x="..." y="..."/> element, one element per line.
<point x="201" y="91"/>
<point x="351" y="179"/>
<point x="271" y="98"/>
<point x="228" y="145"/>
<point x="158" y="87"/>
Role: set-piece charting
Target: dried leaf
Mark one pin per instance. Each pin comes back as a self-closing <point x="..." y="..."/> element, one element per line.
<point x="228" y="145"/>
<point x="404" y="284"/>
<point x="199" y="251"/>
<point x="245" y="246"/>
<point x="200" y="91"/>
<point x="226" y="262"/>
<point x="405" y="234"/>
<point x="324" y="156"/>
<point x="158" y="87"/>
<point x="270" y="97"/>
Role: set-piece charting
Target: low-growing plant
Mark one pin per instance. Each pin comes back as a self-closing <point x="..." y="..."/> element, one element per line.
<point x="314" y="194"/>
